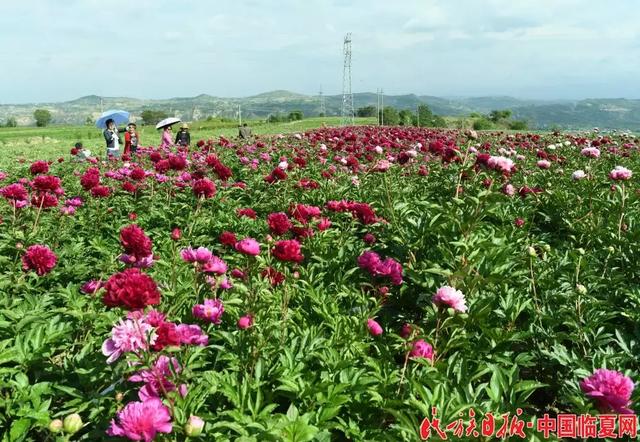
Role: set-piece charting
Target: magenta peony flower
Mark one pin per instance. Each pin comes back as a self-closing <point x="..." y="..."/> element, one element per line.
<point x="39" y="258"/>
<point x="92" y="286"/>
<point x="374" y="328"/>
<point x="245" y="322"/>
<point x="248" y="246"/>
<point x="156" y="379"/>
<point x="215" y="265"/>
<point x="141" y="420"/>
<point x="450" y="297"/>
<point x="211" y="311"/>
<point x="421" y="349"/>
<point x="610" y="389"/>
<point x="128" y="336"/>
<point x="191" y="334"/>
<point x="200" y="255"/>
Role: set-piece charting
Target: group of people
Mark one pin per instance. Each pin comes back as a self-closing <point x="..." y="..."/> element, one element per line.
<point x="132" y="138"/>
<point x="116" y="148"/>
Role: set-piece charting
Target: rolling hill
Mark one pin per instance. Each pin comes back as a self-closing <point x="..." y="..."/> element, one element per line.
<point x="582" y="114"/>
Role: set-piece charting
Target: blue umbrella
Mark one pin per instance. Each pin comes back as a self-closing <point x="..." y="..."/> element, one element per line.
<point x="118" y="116"/>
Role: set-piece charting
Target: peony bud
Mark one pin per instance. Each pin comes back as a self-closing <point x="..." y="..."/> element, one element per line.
<point x="194" y="426"/>
<point x="611" y="249"/>
<point x="72" y="423"/>
<point x="532" y="252"/>
<point x="176" y="234"/>
<point x="55" y="426"/>
<point x="580" y="251"/>
<point x="245" y="322"/>
<point x="581" y="289"/>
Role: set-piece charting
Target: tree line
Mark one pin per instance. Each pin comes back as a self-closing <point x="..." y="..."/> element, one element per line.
<point x="390" y="116"/>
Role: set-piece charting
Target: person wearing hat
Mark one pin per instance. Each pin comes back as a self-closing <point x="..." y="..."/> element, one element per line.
<point x="131" y="139"/>
<point x="183" y="138"/>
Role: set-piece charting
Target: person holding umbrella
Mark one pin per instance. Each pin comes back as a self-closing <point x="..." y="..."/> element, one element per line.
<point x="166" y="141"/>
<point x="108" y="121"/>
<point x="112" y="137"/>
<point x="183" y="138"/>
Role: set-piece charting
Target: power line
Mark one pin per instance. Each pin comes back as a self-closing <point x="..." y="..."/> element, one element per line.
<point x="347" y="95"/>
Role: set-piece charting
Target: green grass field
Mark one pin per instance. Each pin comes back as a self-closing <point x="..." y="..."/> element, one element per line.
<point x="49" y="143"/>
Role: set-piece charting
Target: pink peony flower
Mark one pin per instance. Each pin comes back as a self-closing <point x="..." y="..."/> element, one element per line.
<point x="374" y="328"/>
<point x="544" y="164"/>
<point x="578" y="175"/>
<point x="620" y="173"/>
<point x="502" y="164"/>
<point x="248" y="246"/>
<point x="128" y="336"/>
<point x="421" y="349"/>
<point x="450" y="297"/>
<point x="211" y="311"/>
<point x="509" y="190"/>
<point x="590" y="152"/>
<point x="610" y="389"/>
<point x="141" y="420"/>
<point x="245" y="322"/>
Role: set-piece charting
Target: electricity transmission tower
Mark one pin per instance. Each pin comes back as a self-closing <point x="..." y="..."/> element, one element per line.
<point x="347" y="95"/>
<point x="323" y="110"/>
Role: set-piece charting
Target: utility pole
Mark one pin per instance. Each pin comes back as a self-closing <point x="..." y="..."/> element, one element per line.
<point x="239" y="116"/>
<point x="347" y="95"/>
<point x="378" y="106"/>
<point x="323" y="110"/>
<point x="417" y="115"/>
<point x="382" y="107"/>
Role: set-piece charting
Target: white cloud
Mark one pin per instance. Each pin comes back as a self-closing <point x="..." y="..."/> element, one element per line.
<point x="237" y="47"/>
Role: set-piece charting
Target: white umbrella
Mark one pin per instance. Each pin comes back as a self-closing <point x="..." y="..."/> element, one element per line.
<point x="167" y="122"/>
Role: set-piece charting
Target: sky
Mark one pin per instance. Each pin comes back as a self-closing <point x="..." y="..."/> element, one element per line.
<point x="540" y="49"/>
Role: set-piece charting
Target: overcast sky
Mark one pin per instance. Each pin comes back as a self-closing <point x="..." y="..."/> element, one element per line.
<point x="61" y="50"/>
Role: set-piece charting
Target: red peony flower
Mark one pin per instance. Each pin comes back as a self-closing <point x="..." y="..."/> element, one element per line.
<point x="46" y="183"/>
<point x="279" y="223"/>
<point x="288" y="250"/>
<point x="167" y="335"/>
<point x="204" y="188"/>
<point x="131" y="289"/>
<point x="275" y="277"/>
<point x="39" y="167"/>
<point x="228" y="239"/>
<point x="248" y="212"/>
<point x="135" y="242"/>
<point x="100" y="191"/>
<point x="40" y="259"/>
<point x="137" y="174"/>
<point x="90" y="179"/>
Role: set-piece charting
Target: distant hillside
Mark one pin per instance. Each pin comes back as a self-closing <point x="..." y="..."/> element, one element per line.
<point x="583" y="114"/>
